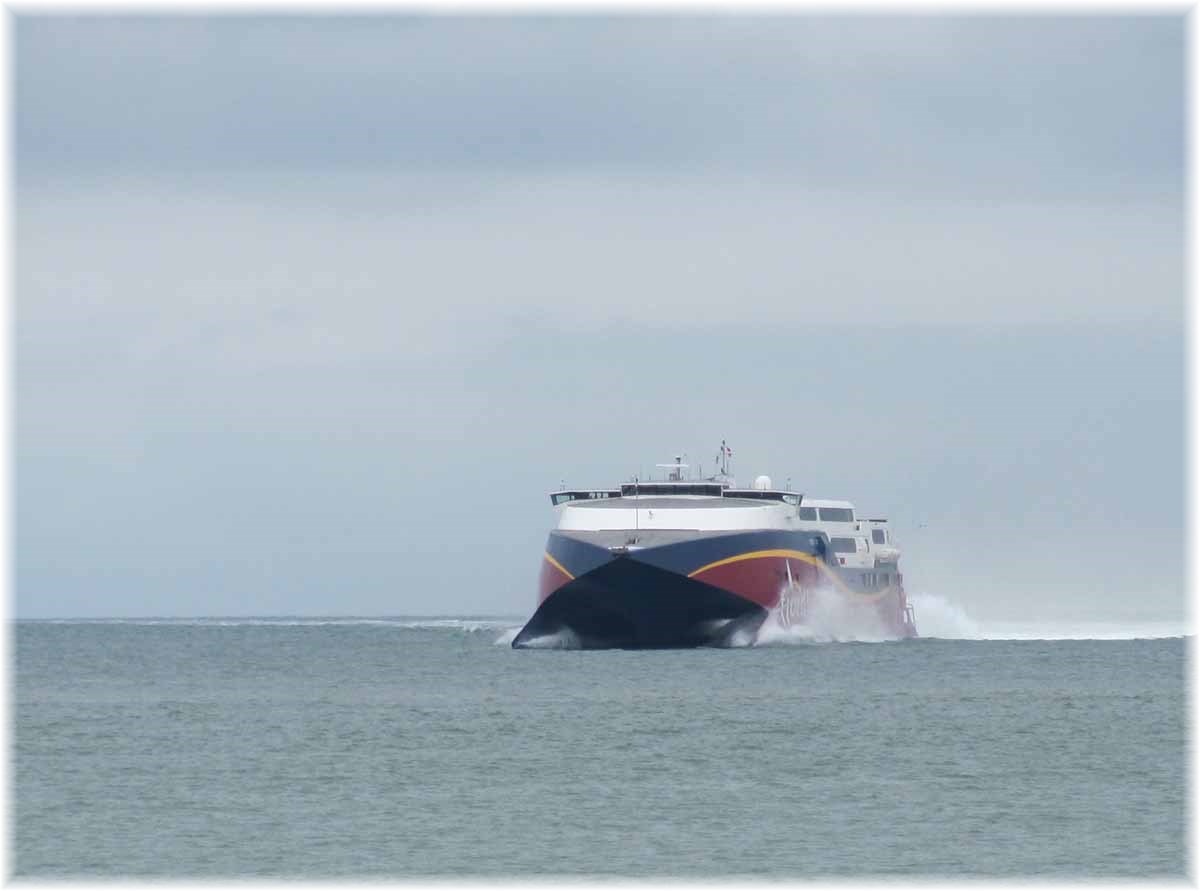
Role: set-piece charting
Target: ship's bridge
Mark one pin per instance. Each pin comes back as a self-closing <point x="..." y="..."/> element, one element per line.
<point x="676" y="504"/>
<point x="679" y="503"/>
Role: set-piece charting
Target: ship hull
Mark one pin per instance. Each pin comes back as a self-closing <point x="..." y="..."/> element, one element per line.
<point x="687" y="591"/>
<point x="629" y="604"/>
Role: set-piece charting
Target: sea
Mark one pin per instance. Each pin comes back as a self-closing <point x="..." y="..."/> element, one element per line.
<point x="406" y="748"/>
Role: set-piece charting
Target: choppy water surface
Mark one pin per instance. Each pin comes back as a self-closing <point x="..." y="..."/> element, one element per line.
<point x="393" y="747"/>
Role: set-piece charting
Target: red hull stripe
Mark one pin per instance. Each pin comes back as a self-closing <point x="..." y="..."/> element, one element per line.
<point x="754" y="555"/>
<point x="796" y="555"/>
<point x="558" y="566"/>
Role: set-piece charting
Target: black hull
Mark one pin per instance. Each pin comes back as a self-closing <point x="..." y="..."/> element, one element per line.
<point x="632" y="605"/>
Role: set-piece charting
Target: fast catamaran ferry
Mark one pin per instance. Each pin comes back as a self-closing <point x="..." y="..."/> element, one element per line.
<point x="681" y="562"/>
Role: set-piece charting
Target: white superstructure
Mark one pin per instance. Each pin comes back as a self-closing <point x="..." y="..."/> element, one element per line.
<point x="714" y="505"/>
<point x="661" y="510"/>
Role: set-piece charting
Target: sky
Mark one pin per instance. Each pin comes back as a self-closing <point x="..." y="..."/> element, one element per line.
<point x="313" y="312"/>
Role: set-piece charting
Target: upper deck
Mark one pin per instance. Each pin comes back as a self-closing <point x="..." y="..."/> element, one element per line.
<point x="683" y="512"/>
<point x="717" y="503"/>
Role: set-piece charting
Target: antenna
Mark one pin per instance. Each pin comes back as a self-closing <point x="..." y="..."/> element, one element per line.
<point x="723" y="458"/>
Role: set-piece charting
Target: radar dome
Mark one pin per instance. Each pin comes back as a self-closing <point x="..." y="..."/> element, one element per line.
<point x="762" y="483"/>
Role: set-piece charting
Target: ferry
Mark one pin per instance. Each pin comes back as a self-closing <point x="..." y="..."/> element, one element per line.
<point x="679" y="562"/>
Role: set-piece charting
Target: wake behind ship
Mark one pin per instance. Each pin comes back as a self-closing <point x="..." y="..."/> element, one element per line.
<point x="687" y="563"/>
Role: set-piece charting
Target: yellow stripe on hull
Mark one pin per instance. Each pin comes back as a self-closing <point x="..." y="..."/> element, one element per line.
<point x="796" y="555"/>
<point x="754" y="555"/>
<point x="558" y="566"/>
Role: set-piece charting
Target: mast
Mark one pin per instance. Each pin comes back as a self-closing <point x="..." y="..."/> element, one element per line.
<point x="722" y="465"/>
<point x="723" y="458"/>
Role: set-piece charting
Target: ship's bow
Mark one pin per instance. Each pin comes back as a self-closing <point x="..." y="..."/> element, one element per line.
<point x="626" y="602"/>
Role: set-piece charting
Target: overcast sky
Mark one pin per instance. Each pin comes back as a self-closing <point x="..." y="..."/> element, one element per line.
<point x="312" y="313"/>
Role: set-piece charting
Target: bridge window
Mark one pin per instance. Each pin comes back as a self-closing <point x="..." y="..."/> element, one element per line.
<point x="837" y="515"/>
<point x="842" y="545"/>
<point x="756" y="494"/>
<point x="808" y="513"/>
<point x="558" y="498"/>
<point x="664" y="489"/>
<point x="877" y="536"/>
<point x="763" y="495"/>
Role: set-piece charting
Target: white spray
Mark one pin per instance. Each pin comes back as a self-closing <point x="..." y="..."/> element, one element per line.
<point x="938" y="617"/>
<point x="506" y="639"/>
<point x="829" y="616"/>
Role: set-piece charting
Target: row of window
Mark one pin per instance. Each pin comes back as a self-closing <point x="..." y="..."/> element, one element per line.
<point x="876" y="579"/>
<point x="652" y="489"/>
<point x="828" y="514"/>
<point x="563" y="497"/>
<point x="762" y="495"/>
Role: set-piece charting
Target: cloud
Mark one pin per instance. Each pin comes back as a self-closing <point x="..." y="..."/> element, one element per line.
<point x="296" y="296"/>
<point x="1038" y="106"/>
<point x="353" y="268"/>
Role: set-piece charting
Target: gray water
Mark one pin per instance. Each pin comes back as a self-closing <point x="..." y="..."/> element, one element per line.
<point x="392" y="749"/>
